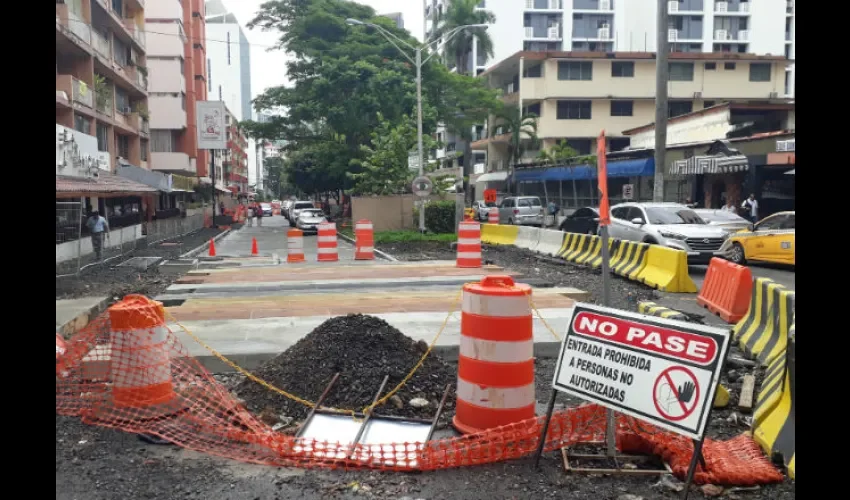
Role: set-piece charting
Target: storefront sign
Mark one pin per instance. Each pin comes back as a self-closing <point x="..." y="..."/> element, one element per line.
<point x="212" y="133"/>
<point x="77" y="154"/>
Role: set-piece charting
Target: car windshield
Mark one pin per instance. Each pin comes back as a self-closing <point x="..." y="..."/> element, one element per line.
<point x="491" y="204"/>
<point x="303" y="204"/>
<point x="673" y="215"/>
<point x="312" y="213"/>
<point x="534" y="202"/>
<point x="265" y="205"/>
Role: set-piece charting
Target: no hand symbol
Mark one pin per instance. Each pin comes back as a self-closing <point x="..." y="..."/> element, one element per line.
<point x="676" y="393"/>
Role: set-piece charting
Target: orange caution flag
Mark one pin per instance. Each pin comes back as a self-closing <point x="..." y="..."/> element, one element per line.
<point x="604" y="209"/>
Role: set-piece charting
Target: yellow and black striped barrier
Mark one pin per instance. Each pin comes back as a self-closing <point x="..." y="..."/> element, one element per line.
<point x="653" y="309"/>
<point x="763" y="332"/>
<point x="773" y="418"/>
<point x="629" y="259"/>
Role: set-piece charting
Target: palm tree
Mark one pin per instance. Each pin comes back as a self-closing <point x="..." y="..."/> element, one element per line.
<point x="463" y="13"/>
<point x="519" y="128"/>
<point x="562" y="153"/>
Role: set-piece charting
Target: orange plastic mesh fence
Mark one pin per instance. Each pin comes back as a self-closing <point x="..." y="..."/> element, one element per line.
<point x="117" y="379"/>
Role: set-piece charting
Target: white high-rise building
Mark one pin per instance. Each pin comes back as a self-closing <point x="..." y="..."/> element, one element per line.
<point x="761" y="27"/>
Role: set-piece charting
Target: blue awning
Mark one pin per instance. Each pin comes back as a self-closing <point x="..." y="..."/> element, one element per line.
<point x="644" y="167"/>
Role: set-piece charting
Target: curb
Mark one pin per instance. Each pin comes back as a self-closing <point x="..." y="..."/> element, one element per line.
<point x="252" y="361"/>
<point x="377" y="252"/>
<point x="83" y="318"/>
<point x="195" y="251"/>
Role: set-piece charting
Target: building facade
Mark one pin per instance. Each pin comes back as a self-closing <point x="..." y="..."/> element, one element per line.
<point x="176" y="54"/>
<point x="763" y="27"/>
<point x="231" y="164"/>
<point x="102" y="77"/>
<point x="397" y="18"/>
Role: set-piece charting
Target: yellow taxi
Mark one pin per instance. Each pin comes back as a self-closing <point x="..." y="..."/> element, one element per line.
<point x="770" y="240"/>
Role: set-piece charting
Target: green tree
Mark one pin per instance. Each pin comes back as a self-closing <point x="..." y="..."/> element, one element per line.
<point x="522" y="130"/>
<point x="560" y="154"/>
<point x="384" y="169"/>
<point x="459" y="47"/>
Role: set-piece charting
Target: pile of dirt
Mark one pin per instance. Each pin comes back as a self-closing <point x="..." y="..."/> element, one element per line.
<point x="363" y="349"/>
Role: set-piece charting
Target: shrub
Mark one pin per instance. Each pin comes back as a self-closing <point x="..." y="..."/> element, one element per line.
<point x="440" y="217"/>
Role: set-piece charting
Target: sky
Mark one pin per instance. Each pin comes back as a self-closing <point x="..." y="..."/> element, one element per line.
<point x="268" y="68"/>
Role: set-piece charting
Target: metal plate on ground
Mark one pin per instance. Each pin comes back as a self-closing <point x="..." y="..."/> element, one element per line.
<point x="140" y="263"/>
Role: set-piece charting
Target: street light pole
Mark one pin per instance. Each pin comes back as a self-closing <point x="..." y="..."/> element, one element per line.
<point x="419" y="130"/>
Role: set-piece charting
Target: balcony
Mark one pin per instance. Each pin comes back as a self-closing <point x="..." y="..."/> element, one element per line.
<point x="102" y="46"/>
<point x="127" y="121"/>
<point x="593" y="6"/>
<point x="105" y="106"/>
<point x="73" y="26"/>
<point x="173" y="163"/>
<point x="543" y="5"/>
<point x="740" y="36"/>
<point x="79" y="92"/>
<point x="694" y="7"/>
<point x="727" y="9"/>
<point x="126" y="28"/>
<point x="135" y="32"/>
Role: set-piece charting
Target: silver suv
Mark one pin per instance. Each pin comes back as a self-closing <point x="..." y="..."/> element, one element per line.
<point x="296" y="209"/>
<point x="521" y="210"/>
<point x="670" y="225"/>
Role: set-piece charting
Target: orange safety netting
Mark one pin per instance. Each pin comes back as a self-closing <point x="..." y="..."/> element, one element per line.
<point x="103" y="370"/>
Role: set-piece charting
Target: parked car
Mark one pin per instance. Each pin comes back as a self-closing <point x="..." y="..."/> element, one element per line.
<point x="728" y="221"/>
<point x="482" y="210"/>
<point x="267" y="209"/>
<point x="522" y="211"/>
<point x="771" y="240"/>
<point x="582" y="221"/>
<point x="297" y="207"/>
<point x="668" y="224"/>
<point x="284" y="208"/>
<point x="309" y="219"/>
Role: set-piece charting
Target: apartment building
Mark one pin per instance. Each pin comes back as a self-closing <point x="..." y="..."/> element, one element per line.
<point x="177" y="70"/>
<point x="763" y="27"/>
<point x="576" y="95"/>
<point x="102" y="77"/>
<point x="231" y="164"/>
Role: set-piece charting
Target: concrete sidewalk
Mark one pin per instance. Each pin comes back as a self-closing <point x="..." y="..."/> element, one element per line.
<point x="72" y="315"/>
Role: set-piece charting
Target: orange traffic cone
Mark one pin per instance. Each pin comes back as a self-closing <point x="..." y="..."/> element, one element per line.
<point x="254" y="250"/>
<point x="212" y="247"/>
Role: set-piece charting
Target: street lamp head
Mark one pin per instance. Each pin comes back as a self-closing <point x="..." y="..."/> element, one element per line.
<point x="353" y="22"/>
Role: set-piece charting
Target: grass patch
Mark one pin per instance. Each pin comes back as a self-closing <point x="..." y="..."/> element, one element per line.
<point x="405" y="236"/>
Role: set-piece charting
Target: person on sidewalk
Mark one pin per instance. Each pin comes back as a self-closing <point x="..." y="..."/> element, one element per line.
<point x="751" y="206"/>
<point x="98" y="226"/>
<point x="258" y="212"/>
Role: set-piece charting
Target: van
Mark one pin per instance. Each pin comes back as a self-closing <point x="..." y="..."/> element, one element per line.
<point x="521" y="211"/>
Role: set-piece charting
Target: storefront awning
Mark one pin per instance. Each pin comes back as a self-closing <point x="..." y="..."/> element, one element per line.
<point x="156" y="180"/>
<point x="493" y="177"/>
<point x="699" y="165"/>
<point x="643" y="167"/>
<point x="105" y="185"/>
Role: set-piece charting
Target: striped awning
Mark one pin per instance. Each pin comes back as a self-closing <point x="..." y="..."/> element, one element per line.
<point x="698" y="165"/>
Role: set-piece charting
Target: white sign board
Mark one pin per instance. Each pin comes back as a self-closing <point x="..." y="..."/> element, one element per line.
<point x="628" y="191"/>
<point x="212" y="133"/>
<point x="662" y="371"/>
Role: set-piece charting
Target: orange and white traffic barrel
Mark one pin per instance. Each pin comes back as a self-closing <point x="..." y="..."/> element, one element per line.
<point x="326" y="242"/>
<point x="140" y="363"/>
<point x="294" y="246"/>
<point x="364" y="240"/>
<point x="495" y="378"/>
<point x="469" y="244"/>
<point x="493" y="215"/>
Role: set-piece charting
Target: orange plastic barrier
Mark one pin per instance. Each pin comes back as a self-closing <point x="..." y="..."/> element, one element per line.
<point x="469" y="244"/>
<point x="493" y="215"/>
<point x="206" y="418"/>
<point x="254" y="249"/>
<point x="294" y="246"/>
<point x="364" y="246"/>
<point x="495" y="369"/>
<point x="326" y="242"/>
<point x="726" y="290"/>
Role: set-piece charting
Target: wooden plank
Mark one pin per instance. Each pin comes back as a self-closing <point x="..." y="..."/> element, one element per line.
<point x="745" y="402"/>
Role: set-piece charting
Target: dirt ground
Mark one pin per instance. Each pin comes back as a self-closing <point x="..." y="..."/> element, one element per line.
<point x="111" y="281"/>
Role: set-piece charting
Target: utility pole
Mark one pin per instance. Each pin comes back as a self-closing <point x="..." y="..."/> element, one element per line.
<point x="662" y="75"/>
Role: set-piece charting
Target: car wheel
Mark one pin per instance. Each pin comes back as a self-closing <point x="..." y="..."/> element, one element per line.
<point x="737" y="254"/>
<point x="650" y="241"/>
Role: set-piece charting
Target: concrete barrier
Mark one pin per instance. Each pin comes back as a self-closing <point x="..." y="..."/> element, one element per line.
<point x="527" y="238"/>
<point x="551" y="242"/>
<point x="578" y="245"/>
<point x="594" y="249"/>
<point x="653" y="309"/>
<point x="667" y="270"/>
<point x="629" y="259"/>
<point x="763" y="332"/>
<point x="497" y="234"/>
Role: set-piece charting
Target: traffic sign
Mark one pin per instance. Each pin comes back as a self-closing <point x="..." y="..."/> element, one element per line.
<point x="628" y="191"/>
<point x="490" y="195"/>
<point x="655" y="369"/>
<point x="422" y="186"/>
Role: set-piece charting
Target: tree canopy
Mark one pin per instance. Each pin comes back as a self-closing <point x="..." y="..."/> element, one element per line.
<point x="348" y="82"/>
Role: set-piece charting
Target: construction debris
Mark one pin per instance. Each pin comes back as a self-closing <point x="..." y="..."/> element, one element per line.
<point x="362" y="349"/>
<point x="745" y="402"/>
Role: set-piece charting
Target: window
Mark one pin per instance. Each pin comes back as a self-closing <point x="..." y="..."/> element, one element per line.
<point x="710" y="66"/>
<point x="708" y="104"/>
<point x="163" y="141"/>
<point x="102" y="134"/>
<point x="122" y="100"/>
<point x="620" y="212"/>
<point x="635" y="213"/>
<point x="679" y="108"/>
<point x="622" y="108"/>
<point x="681" y="72"/>
<point x="508" y="203"/>
<point x="122" y="144"/>
<point x="534" y="71"/>
<point x="729" y="66"/>
<point x="118" y="7"/>
<point x="623" y="69"/>
<point x="525" y="203"/>
<point x="82" y="124"/>
<point x="209" y="75"/>
<point x="575" y="70"/>
<point x="534" y="109"/>
<point x="144" y="148"/>
<point x="584" y="213"/>
<point x="618" y="143"/>
<point x="121" y="52"/>
<point x="771" y="223"/>
<point x="228" y="48"/>
<point x="183" y="101"/>
<point x="789" y="222"/>
<point x="573" y="110"/>
<point x="759" y="72"/>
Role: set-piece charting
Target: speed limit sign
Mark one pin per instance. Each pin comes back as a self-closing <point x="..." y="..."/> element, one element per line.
<point x="628" y="191"/>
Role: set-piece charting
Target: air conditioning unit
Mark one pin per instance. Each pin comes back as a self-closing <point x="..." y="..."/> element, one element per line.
<point x="603" y="33"/>
<point x="672" y="35"/>
<point x="773" y="95"/>
<point x="673" y="6"/>
<point x="554" y="33"/>
<point x="697" y="95"/>
<point x="721" y="7"/>
<point x="126" y="110"/>
<point x="743" y="35"/>
<point x="720" y="34"/>
<point x="786" y="146"/>
<point x="529" y="32"/>
<point x="745" y="6"/>
<point x="604" y="4"/>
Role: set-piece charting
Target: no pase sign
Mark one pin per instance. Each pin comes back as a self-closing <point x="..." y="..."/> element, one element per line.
<point x="655" y="369"/>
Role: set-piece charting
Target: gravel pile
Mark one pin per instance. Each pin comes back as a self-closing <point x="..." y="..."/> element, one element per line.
<point x="363" y="349"/>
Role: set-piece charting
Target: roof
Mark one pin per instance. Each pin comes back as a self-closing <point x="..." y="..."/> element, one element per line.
<point x="732" y="106"/>
<point x="763" y="135"/>
<point x="104" y="184"/>
<point x="631" y="56"/>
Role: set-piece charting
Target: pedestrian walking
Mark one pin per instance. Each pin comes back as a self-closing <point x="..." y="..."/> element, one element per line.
<point x="249" y="215"/>
<point x="258" y="212"/>
<point x="553" y="212"/>
<point x="751" y="206"/>
<point x="98" y="226"/>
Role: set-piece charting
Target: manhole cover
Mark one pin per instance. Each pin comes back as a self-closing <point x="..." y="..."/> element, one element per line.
<point x="140" y="263"/>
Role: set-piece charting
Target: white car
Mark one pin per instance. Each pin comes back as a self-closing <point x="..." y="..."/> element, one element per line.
<point x="309" y="220"/>
<point x="728" y="221"/>
<point x="482" y="210"/>
<point x="668" y="224"/>
<point x="297" y="207"/>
